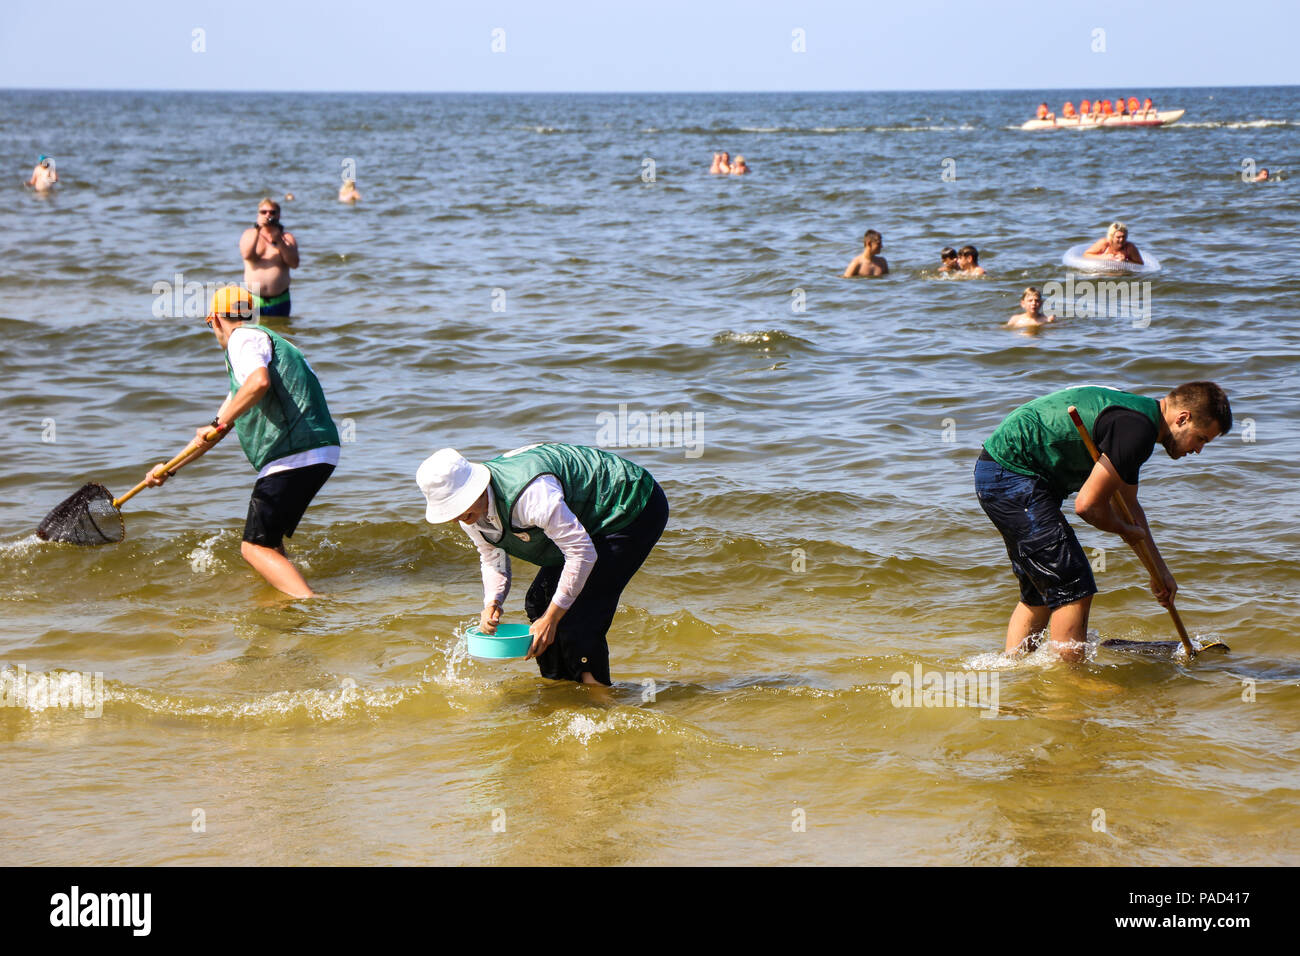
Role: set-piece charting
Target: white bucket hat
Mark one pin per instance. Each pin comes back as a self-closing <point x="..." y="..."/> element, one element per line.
<point x="450" y="484"/>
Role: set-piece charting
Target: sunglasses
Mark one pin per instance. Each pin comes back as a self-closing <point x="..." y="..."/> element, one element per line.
<point x="267" y="212"/>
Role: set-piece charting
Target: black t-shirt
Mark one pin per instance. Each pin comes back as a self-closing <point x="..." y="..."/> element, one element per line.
<point x="1127" y="438"/>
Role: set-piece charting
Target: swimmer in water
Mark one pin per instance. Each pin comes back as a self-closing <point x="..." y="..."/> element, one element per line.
<point x="348" y="191"/>
<point x="948" y="260"/>
<point x="871" y="264"/>
<point x="44" y="176"/>
<point x="288" y="197"/>
<point x="1261" y="176"/>
<point x="1115" y="246"/>
<point x="968" y="261"/>
<point x="738" y="168"/>
<point x="268" y="253"/>
<point x="1032" y="317"/>
<point x="721" y="163"/>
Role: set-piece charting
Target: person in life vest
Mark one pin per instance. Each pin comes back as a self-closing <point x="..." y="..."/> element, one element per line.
<point x="1044" y="113"/>
<point x="1133" y="107"/>
<point x="1120" y="107"/>
<point x="1036" y="459"/>
<point x="1147" y="105"/>
<point x="588" y="517"/>
<point x="277" y="407"/>
<point x="1106" y="108"/>
<point x="1067" y="111"/>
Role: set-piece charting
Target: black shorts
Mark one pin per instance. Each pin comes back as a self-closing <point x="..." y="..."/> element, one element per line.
<point x="279" y="501"/>
<point x="580" y="639"/>
<point x="1046" y="557"/>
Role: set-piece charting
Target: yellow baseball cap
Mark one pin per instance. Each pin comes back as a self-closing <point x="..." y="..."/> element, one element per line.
<point x="231" y="302"/>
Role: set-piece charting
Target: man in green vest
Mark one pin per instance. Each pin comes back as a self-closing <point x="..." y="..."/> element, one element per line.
<point x="278" y="409"/>
<point x="1036" y="459"/>
<point x="588" y="517"/>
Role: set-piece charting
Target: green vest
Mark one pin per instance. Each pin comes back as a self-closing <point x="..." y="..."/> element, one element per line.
<point x="1039" y="439"/>
<point x="292" y="416"/>
<point x="604" y="492"/>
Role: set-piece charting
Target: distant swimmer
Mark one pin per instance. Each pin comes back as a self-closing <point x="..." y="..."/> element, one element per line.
<point x="739" y="168"/>
<point x="348" y="191"/>
<point x="871" y="263"/>
<point x="1036" y="459"/>
<point x="1115" y="245"/>
<point x="948" y="260"/>
<point x="1261" y="176"/>
<point x="968" y="261"/>
<point x="1032" y="315"/>
<point x="587" y="517"/>
<point x="288" y="197"/>
<point x="44" y="176"/>
<point x="277" y="408"/>
<point x="268" y="253"/>
<point x="721" y="163"/>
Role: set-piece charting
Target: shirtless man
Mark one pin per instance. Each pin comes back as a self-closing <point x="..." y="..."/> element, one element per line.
<point x="44" y="176"/>
<point x="1115" y="245"/>
<point x="268" y="253"/>
<point x="968" y="261"/>
<point x="1032" y="317"/>
<point x="871" y="263"/>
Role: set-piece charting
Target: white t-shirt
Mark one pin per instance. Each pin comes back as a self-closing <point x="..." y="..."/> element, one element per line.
<point x="249" y="349"/>
<point x="540" y="505"/>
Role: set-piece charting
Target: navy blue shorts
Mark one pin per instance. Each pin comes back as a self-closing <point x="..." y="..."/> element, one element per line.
<point x="279" y="502"/>
<point x="1046" y="557"/>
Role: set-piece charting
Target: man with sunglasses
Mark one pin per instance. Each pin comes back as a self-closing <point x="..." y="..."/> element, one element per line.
<point x="278" y="409"/>
<point x="268" y="253"/>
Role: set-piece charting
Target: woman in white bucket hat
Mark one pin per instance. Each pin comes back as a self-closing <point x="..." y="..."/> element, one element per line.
<point x="588" y="517"/>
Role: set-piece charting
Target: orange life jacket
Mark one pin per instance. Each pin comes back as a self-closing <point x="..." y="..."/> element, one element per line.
<point x="1106" y="108"/>
<point x="1133" y="104"/>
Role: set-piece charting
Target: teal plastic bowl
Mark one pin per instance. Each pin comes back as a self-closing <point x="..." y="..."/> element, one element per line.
<point x="509" y="643"/>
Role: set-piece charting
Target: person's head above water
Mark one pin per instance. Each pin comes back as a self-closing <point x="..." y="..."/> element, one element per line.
<point x="872" y="238"/>
<point x="969" y="252"/>
<point x="1031" y="300"/>
<point x="1117" y="233"/>
<point x="1194" y="414"/>
<point x="454" y="489"/>
<point x="948" y="254"/>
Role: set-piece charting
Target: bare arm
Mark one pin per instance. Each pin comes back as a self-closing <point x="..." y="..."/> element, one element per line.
<point x="288" y="247"/>
<point x="1093" y="503"/>
<point x="1097" y="247"/>
<point x="248" y="244"/>
<point x="852" y="269"/>
<point x="1134" y="255"/>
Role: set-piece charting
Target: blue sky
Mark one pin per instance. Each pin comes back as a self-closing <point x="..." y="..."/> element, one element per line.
<point x="631" y="45"/>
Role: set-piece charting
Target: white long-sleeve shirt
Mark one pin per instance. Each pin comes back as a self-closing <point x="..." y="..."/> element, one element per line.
<point x="541" y="505"/>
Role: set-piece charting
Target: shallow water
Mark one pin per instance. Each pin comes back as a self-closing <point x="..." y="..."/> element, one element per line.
<point x="825" y="538"/>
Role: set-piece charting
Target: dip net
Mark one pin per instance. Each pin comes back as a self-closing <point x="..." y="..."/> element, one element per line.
<point x="86" y="517"/>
